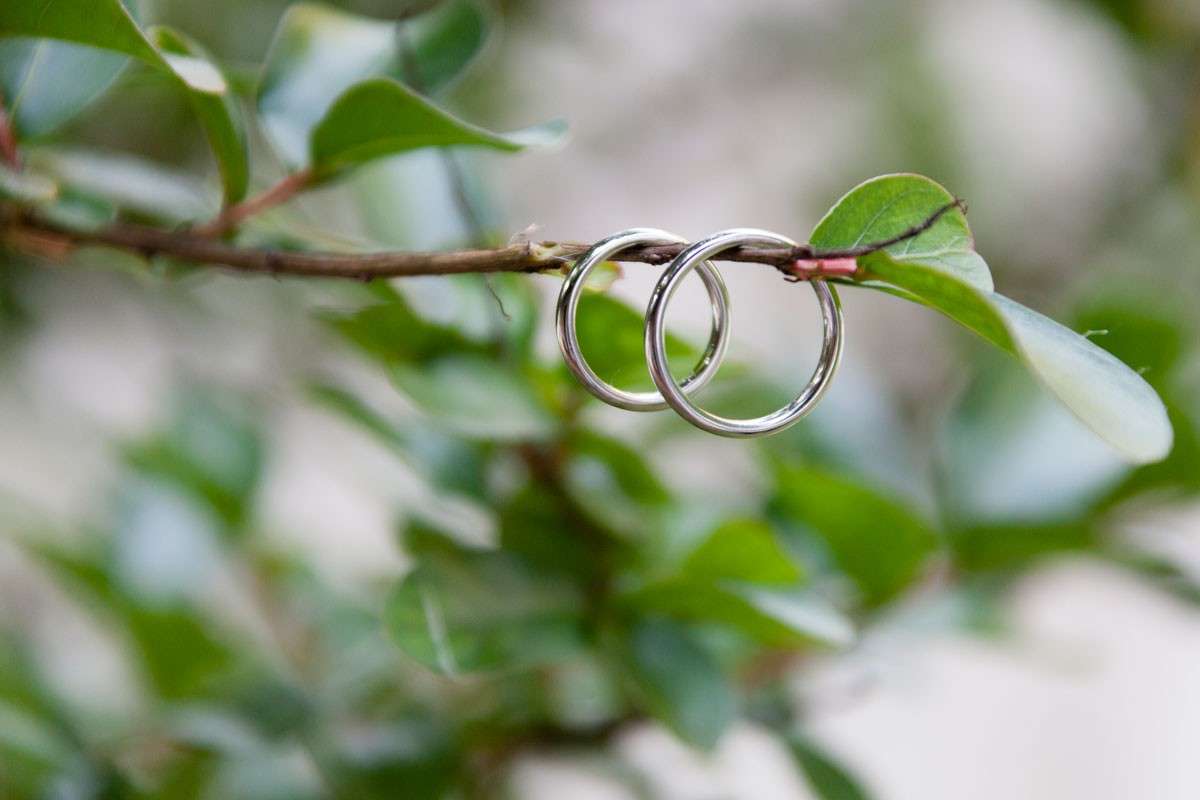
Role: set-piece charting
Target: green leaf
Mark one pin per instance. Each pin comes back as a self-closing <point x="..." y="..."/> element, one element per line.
<point x="959" y="300"/>
<point x="583" y="694"/>
<point x="613" y="340"/>
<point x="539" y="526"/>
<point x="991" y="547"/>
<point x="677" y="681"/>
<point x="45" y="83"/>
<point x="742" y="550"/>
<point x="775" y="618"/>
<point x="420" y="537"/>
<point x="613" y="483"/>
<point x="320" y="51"/>
<point x="468" y="612"/>
<point x="212" y="450"/>
<point x="1109" y="397"/>
<point x="476" y="398"/>
<point x="30" y="749"/>
<point x="889" y="205"/>
<point x="446" y="461"/>
<point x="219" y="115"/>
<point x="393" y="332"/>
<point x="443" y="43"/>
<point x="107" y="25"/>
<point x="178" y="649"/>
<point x="412" y="752"/>
<point x="381" y="117"/>
<point x="1160" y="572"/>
<point x="129" y="183"/>
<point x="828" y="779"/>
<point x="876" y="541"/>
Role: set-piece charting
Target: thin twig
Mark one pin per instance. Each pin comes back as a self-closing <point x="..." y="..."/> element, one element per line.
<point x="287" y="188"/>
<point x="40" y="236"/>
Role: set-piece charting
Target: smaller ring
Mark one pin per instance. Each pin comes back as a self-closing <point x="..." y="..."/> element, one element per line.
<point x="568" y="307"/>
<point x="656" y="350"/>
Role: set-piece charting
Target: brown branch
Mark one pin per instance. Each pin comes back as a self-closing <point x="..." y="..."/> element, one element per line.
<point x="199" y="248"/>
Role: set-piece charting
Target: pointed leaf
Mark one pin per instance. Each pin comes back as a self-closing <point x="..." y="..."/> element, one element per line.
<point x="105" y="24"/>
<point x="127" y="182"/>
<point x="219" y="114"/>
<point x="320" y="51"/>
<point x="476" y="398"/>
<point x="613" y="483"/>
<point x="481" y="611"/>
<point x="828" y="779"/>
<point x="875" y="540"/>
<point x="381" y="117"/>
<point x="45" y="83"/>
<point x="679" y="682"/>
<point x="889" y="205"/>
<point x="776" y="618"/>
<point x="443" y="43"/>
<point x="744" y="550"/>
<point x="1109" y="397"/>
<point x="613" y="340"/>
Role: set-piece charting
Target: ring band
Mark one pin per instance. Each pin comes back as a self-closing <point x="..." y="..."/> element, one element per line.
<point x="656" y="350"/>
<point x="568" y="338"/>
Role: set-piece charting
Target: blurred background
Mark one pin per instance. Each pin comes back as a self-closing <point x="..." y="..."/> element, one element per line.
<point x="177" y="414"/>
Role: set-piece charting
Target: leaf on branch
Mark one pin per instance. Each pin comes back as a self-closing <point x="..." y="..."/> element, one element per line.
<point x="320" y="51"/>
<point x="679" y="682"/>
<point x="465" y="612"/>
<point x="612" y="337"/>
<point x="888" y="206"/>
<point x="382" y="117"/>
<point x="613" y="483"/>
<point x="126" y="182"/>
<point x="743" y="550"/>
<point x="107" y="25"/>
<point x="219" y="114"/>
<point x="1105" y="394"/>
<point x="877" y="542"/>
<point x="45" y="83"/>
<point x="476" y="398"/>
<point x="939" y="268"/>
<point x="778" y="618"/>
<point x="828" y="779"/>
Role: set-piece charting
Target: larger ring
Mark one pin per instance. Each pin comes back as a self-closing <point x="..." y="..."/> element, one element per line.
<point x="656" y="351"/>
<point x="568" y="306"/>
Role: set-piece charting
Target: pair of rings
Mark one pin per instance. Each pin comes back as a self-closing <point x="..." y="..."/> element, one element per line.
<point x="670" y="393"/>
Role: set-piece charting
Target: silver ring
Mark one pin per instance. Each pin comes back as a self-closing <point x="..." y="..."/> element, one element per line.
<point x="656" y="350"/>
<point x="568" y="337"/>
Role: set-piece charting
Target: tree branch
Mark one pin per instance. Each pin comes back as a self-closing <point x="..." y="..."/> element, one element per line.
<point x="39" y="236"/>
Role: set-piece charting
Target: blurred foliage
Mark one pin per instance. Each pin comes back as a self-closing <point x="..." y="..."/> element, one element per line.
<point x="603" y="595"/>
